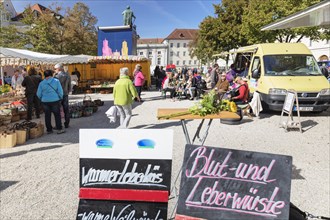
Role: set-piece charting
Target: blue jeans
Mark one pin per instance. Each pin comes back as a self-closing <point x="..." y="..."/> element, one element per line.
<point x="139" y="90"/>
<point x="49" y="108"/>
<point x="65" y="105"/>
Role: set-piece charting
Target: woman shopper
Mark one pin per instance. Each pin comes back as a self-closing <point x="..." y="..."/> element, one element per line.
<point x="138" y="80"/>
<point x="50" y="93"/>
<point x="124" y="92"/>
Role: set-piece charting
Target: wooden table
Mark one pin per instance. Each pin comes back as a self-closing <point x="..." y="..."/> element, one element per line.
<point x="96" y="87"/>
<point x="221" y="115"/>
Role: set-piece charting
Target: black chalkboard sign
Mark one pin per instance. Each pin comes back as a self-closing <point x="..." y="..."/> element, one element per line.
<point x="110" y="210"/>
<point x="125" y="174"/>
<point x="226" y="184"/>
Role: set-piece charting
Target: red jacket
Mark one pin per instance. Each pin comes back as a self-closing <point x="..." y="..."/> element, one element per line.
<point x="243" y="93"/>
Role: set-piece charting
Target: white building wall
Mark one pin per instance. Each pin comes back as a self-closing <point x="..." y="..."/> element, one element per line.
<point x="157" y="53"/>
<point x="318" y="48"/>
<point x="179" y="55"/>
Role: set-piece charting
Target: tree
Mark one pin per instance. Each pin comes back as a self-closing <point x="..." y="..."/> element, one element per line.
<point x="260" y="13"/>
<point x="222" y="32"/>
<point x="10" y="37"/>
<point x="80" y="31"/>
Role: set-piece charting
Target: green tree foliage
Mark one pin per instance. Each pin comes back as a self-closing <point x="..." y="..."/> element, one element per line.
<point x="222" y="32"/>
<point x="260" y="13"/>
<point x="10" y="37"/>
<point x="49" y="32"/>
<point x="238" y="23"/>
<point x="81" y="33"/>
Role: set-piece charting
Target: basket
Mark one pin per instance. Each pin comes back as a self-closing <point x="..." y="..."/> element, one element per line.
<point x="37" y="131"/>
<point x="21" y="136"/>
<point x="5" y="119"/>
<point x="8" y="139"/>
<point x="87" y="101"/>
<point x="23" y="114"/>
<point x="88" y="111"/>
<point x="15" y="118"/>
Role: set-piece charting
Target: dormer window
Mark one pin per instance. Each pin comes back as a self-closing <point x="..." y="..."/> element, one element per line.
<point x="181" y="35"/>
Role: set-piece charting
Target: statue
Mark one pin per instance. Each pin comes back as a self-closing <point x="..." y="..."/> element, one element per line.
<point x="127" y="16"/>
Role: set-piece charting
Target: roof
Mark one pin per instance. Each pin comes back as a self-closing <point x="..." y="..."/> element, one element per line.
<point x="182" y="34"/>
<point x="7" y="54"/>
<point x="316" y="15"/>
<point x="39" y="9"/>
<point x="150" y="41"/>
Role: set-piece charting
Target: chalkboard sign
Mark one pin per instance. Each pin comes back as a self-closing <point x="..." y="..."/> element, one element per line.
<point x="124" y="173"/>
<point x="289" y="101"/>
<point x="111" y="210"/>
<point x="226" y="184"/>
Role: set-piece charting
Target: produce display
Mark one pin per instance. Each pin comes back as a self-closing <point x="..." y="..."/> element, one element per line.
<point x="210" y="104"/>
<point x="4" y="89"/>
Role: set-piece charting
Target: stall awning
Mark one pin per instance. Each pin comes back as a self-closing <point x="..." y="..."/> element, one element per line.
<point x="9" y="55"/>
<point x="316" y="15"/>
<point x="247" y="49"/>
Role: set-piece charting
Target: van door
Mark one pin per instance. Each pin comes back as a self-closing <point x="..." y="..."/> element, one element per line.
<point x="254" y="73"/>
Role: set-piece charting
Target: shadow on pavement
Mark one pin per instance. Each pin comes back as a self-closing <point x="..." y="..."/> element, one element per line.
<point x="295" y="175"/>
<point x="5" y="184"/>
<point x="19" y="153"/>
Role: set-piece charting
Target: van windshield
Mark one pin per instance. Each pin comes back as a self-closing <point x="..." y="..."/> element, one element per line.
<point x="291" y="65"/>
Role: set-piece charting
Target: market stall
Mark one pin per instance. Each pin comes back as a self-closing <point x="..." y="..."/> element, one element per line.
<point x="100" y="73"/>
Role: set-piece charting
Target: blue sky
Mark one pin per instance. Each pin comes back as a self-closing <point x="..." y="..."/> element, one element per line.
<point x="153" y="18"/>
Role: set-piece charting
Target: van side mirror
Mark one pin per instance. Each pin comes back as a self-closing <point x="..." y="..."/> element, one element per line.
<point x="256" y="74"/>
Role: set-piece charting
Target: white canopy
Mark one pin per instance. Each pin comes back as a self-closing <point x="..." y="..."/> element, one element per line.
<point x="316" y="15"/>
<point x="9" y="56"/>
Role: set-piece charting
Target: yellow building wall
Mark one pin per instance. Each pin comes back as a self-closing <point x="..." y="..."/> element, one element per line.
<point x="109" y="72"/>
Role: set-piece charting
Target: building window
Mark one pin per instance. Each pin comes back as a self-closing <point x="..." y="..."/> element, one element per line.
<point x="195" y="62"/>
<point x="150" y="52"/>
<point x="189" y="62"/>
<point x="159" y="52"/>
<point x="310" y="43"/>
<point x="171" y="54"/>
<point x="327" y="42"/>
<point x="158" y="60"/>
<point x="178" y="45"/>
<point x="184" y="44"/>
<point x="178" y="63"/>
<point x="141" y="53"/>
<point x="184" y="62"/>
<point x="178" y="53"/>
<point x="171" y="44"/>
<point x="184" y="53"/>
<point x="171" y="61"/>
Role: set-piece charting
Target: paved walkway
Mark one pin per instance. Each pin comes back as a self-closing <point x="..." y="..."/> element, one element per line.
<point x="40" y="180"/>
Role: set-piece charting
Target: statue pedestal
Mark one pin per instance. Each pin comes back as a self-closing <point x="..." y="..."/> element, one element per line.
<point x="117" y="39"/>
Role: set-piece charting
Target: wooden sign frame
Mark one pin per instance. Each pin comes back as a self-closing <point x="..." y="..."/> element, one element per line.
<point x="291" y="100"/>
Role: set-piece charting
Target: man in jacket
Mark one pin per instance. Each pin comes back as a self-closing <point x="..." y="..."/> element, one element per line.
<point x="31" y="83"/>
<point x="65" y="80"/>
<point x="124" y="92"/>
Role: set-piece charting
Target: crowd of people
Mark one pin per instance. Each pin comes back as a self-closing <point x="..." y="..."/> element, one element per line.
<point x="189" y="83"/>
<point x="51" y="93"/>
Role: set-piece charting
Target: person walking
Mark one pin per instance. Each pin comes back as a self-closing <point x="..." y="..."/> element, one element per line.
<point x="124" y="92"/>
<point x="50" y="93"/>
<point x="65" y="80"/>
<point x="214" y="75"/>
<point x="138" y="80"/>
<point x="31" y="83"/>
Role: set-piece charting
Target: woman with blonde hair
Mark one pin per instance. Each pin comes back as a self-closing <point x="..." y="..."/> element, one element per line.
<point x="138" y="80"/>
